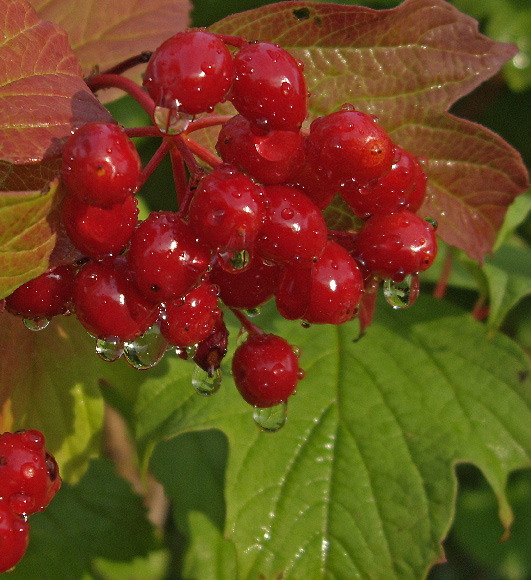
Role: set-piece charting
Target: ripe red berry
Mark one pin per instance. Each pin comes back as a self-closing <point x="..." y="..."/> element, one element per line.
<point x="227" y="210"/>
<point x="100" y="164"/>
<point x="190" y="72"/>
<point x="395" y="245"/>
<point x="14" y="537"/>
<point x="269" y="157"/>
<point x="266" y="370"/>
<point x="269" y="87"/>
<point x="165" y="257"/>
<point x="294" y="231"/>
<point x="96" y="231"/>
<point x="349" y="145"/>
<point x="107" y="302"/>
<point x="47" y="295"/>
<point x="29" y="476"/>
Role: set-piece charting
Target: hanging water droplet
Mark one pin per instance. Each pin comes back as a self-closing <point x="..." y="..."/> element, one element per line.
<point x="191" y="350"/>
<point x="234" y="261"/>
<point x="170" y="120"/>
<point x="296" y="350"/>
<point x="305" y="324"/>
<point x="271" y="419"/>
<point x="253" y="312"/>
<point x="147" y="350"/>
<point x="203" y="383"/>
<point x="109" y="350"/>
<point x="432" y="221"/>
<point x="36" y="324"/>
<point x="402" y="294"/>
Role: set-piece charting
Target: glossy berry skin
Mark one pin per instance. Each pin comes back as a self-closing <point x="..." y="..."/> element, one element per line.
<point x="108" y="303"/>
<point x="249" y="288"/>
<point x="269" y="87"/>
<point x="227" y="210"/>
<point x="29" y="476"/>
<point x="336" y="287"/>
<point x="165" y="257"/>
<point x="97" y="231"/>
<point x="47" y="295"/>
<point x="190" y="320"/>
<point x="190" y="72"/>
<point x="265" y="369"/>
<point x="14" y="537"/>
<point x="269" y="157"/>
<point x="349" y="145"/>
<point x="100" y="165"/>
<point x="294" y="231"/>
<point x="395" y="245"/>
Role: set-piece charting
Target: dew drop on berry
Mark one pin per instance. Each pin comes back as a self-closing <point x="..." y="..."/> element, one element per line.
<point x="233" y="262"/>
<point x="204" y="384"/>
<point x="147" y="350"/>
<point x="271" y="419"/>
<point x="36" y="324"/>
<point x="296" y="350"/>
<point x="432" y="221"/>
<point x="402" y="294"/>
<point x="171" y="121"/>
<point x="305" y="324"/>
<point x="109" y="350"/>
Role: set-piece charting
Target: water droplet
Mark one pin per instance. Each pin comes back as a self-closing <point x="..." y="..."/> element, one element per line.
<point x="147" y="350"/>
<point x="234" y="261"/>
<point x="253" y="312"/>
<point x="271" y="419"/>
<point x="402" y="294"/>
<point x="305" y="324"/>
<point x="109" y="350"/>
<point x="296" y="350"/>
<point x="205" y="384"/>
<point x="432" y="221"/>
<point x="285" y="88"/>
<point x="36" y="324"/>
<point x="347" y="107"/>
<point x="287" y="213"/>
<point x="171" y="121"/>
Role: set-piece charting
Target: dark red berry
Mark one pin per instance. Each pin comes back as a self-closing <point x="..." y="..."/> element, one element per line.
<point x="100" y="164"/>
<point x="95" y="230"/>
<point x="211" y="351"/>
<point x="108" y="303"/>
<point x="294" y="231"/>
<point x="269" y="87"/>
<point x="29" y="476"/>
<point x="14" y="537"/>
<point x="227" y="210"/>
<point x="349" y="145"/>
<point x="47" y="295"/>
<point x="190" y="72"/>
<point x="269" y="157"/>
<point x="165" y="257"/>
<point x="189" y="320"/>
<point x="395" y="245"/>
<point x="266" y="370"/>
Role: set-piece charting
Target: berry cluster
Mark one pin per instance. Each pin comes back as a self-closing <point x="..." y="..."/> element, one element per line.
<point x="29" y="478"/>
<point x="249" y="229"/>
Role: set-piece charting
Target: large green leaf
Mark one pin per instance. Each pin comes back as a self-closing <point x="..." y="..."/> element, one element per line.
<point x="360" y="482"/>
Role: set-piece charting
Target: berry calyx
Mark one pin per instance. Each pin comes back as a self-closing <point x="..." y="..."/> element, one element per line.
<point x="190" y="72"/>
<point x="100" y="164"/>
<point x="266" y="370"/>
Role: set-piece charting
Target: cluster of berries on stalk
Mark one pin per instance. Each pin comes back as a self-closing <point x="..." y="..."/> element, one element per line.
<point x="29" y="478"/>
<point x="250" y="228"/>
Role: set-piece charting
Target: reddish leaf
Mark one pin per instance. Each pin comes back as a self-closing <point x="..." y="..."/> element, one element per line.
<point x="42" y="92"/>
<point x="107" y="32"/>
<point x="407" y="66"/>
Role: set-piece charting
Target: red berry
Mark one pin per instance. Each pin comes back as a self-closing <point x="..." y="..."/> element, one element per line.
<point x="14" y="537"/>
<point x="47" y="295"/>
<point x="349" y="145"/>
<point x="294" y="231"/>
<point x="107" y="302"/>
<point x="266" y="370"/>
<point x="269" y="87"/>
<point x="165" y="257"/>
<point x="100" y="164"/>
<point x="190" y="72"/>
<point x="395" y="245"/>
<point x="270" y="158"/>
<point x="189" y="320"/>
<point x="29" y="476"/>
<point x="96" y="231"/>
<point x="227" y="210"/>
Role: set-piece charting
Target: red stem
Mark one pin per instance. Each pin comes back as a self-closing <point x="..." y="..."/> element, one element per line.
<point x="208" y="121"/>
<point x="236" y="41"/>
<point x="440" y="288"/>
<point x="201" y="152"/>
<point x="179" y="175"/>
<point x="150" y="131"/>
<point x="251" y="328"/>
<point x="154" y="162"/>
<point x="128" y="63"/>
<point x="110" y="81"/>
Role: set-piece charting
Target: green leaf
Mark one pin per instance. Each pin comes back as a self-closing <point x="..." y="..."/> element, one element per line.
<point x="100" y="517"/>
<point x="49" y="382"/>
<point x="363" y="470"/>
